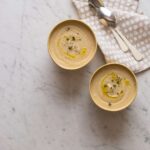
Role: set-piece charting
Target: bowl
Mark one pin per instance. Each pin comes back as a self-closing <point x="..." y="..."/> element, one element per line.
<point x="72" y="44"/>
<point x="113" y="87"/>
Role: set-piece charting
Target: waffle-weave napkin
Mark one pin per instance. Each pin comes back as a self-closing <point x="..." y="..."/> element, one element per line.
<point x="134" y="25"/>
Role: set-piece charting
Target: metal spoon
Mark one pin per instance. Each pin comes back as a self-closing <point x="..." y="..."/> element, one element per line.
<point x="102" y="12"/>
<point x="107" y="18"/>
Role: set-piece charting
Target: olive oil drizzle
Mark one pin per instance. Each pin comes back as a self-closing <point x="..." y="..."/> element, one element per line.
<point x="68" y="44"/>
<point x="112" y="85"/>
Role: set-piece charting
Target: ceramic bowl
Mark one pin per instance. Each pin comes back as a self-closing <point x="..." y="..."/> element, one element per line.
<point x="54" y="52"/>
<point x="104" y="102"/>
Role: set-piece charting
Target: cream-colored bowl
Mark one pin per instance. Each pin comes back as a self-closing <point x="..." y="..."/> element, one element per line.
<point x="110" y="103"/>
<point x="71" y="57"/>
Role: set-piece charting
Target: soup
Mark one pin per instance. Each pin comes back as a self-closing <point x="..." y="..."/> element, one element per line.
<point x="113" y="86"/>
<point x="72" y="44"/>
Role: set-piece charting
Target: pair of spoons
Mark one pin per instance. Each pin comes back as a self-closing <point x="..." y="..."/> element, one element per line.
<point x="107" y="18"/>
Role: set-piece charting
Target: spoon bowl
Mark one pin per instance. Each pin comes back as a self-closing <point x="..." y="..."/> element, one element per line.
<point x="103" y="13"/>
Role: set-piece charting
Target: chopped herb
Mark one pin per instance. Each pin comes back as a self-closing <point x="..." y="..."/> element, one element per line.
<point x="105" y="85"/>
<point x="112" y="80"/>
<point x="121" y="92"/>
<point x="70" y="47"/>
<point x="67" y="39"/>
<point x="114" y="85"/>
<point x="118" y="82"/>
<point x="109" y="104"/>
<point x="73" y="38"/>
<point x="68" y="28"/>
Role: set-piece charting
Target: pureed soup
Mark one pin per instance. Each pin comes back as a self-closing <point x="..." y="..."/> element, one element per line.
<point x="113" y="87"/>
<point x="72" y="44"/>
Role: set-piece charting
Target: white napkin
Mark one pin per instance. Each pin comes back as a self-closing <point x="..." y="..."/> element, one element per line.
<point x="135" y="26"/>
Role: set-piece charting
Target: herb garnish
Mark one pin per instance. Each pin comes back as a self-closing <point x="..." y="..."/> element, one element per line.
<point x="105" y="85"/>
<point x="70" y="47"/>
<point x="68" y="28"/>
<point x="114" y="85"/>
<point x="73" y="38"/>
<point x="118" y="82"/>
<point x="109" y="104"/>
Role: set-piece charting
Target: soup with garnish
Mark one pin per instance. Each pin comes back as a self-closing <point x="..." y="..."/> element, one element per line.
<point x="72" y="44"/>
<point x="113" y="87"/>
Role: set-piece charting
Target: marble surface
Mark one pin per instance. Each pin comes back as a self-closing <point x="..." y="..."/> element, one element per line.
<point x="43" y="107"/>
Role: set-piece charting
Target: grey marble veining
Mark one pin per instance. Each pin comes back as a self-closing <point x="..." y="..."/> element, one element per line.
<point x="43" y="107"/>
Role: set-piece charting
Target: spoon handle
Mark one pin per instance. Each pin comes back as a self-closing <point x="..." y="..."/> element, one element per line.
<point x="137" y="55"/>
<point x="121" y="43"/>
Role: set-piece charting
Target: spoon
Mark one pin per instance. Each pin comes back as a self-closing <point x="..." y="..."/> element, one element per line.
<point x="111" y="20"/>
<point x="107" y="18"/>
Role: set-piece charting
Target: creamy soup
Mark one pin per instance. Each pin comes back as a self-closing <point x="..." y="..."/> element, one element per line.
<point x="113" y="85"/>
<point x="72" y="44"/>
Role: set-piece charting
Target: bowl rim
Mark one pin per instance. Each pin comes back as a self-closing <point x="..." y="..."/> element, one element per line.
<point x="88" y="27"/>
<point x="136" y="87"/>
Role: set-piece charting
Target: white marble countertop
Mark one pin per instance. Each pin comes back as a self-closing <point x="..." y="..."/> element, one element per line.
<point x="43" y="107"/>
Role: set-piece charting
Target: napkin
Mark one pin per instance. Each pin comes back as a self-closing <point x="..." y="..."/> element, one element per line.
<point x="133" y="24"/>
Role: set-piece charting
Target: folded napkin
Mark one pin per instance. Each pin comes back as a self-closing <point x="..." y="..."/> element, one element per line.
<point x="134" y="25"/>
